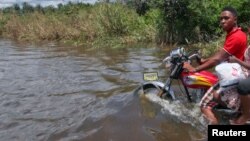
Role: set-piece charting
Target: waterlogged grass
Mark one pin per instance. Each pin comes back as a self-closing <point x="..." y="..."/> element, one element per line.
<point x="99" y="25"/>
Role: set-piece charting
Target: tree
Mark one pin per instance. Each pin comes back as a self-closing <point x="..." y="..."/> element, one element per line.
<point x="27" y="8"/>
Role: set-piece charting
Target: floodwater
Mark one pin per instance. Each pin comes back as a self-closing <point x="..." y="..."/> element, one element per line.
<point x="51" y="92"/>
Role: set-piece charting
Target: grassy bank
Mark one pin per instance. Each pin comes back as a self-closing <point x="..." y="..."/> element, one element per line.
<point x="80" y="24"/>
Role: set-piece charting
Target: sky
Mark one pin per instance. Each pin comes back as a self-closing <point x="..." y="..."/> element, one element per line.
<point x="7" y="3"/>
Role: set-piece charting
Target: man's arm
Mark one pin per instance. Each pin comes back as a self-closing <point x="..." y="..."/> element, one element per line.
<point x="220" y="56"/>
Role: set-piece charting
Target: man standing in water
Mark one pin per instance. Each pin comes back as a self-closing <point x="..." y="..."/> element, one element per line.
<point x="234" y="45"/>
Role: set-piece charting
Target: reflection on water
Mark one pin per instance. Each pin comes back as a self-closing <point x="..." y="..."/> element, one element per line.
<point x="53" y="92"/>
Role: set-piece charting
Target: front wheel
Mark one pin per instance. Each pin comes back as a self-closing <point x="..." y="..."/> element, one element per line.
<point x="151" y="89"/>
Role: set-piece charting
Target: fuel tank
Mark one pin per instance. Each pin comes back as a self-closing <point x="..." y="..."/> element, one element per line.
<point x="202" y="79"/>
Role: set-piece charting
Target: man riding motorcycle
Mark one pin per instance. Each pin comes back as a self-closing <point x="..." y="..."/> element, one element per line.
<point x="235" y="45"/>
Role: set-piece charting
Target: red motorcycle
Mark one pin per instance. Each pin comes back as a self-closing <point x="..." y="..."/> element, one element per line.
<point x="200" y="81"/>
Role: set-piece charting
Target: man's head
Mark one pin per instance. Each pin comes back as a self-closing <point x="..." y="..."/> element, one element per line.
<point x="228" y="18"/>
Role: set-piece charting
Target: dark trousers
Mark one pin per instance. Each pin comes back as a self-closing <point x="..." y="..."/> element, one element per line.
<point x="244" y="86"/>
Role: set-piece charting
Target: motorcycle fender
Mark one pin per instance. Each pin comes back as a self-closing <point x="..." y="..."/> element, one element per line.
<point x="158" y="85"/>
<point x="152" y="84"/>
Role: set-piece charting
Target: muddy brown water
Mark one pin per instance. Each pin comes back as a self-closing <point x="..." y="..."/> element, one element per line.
<point x="50" y="92"/>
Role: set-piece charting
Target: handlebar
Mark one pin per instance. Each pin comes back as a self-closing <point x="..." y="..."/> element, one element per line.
<point x="179" y="56"/>
<point x="196" y="56"/>
<point x="185" y="58"/>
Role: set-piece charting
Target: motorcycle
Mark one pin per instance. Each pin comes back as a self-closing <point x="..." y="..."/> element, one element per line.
<point x="203" y="82"/>
<point x="200" y="81"/>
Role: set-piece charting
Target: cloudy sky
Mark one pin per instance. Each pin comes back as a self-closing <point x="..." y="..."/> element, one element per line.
<point x="6" y="3"/>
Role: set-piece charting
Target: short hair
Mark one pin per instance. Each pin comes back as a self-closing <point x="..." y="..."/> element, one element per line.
<point x="230" y="9"/>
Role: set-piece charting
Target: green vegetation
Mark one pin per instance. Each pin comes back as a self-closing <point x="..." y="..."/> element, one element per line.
<point x="78" y="24"/>
<point x="112" y="24"/>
